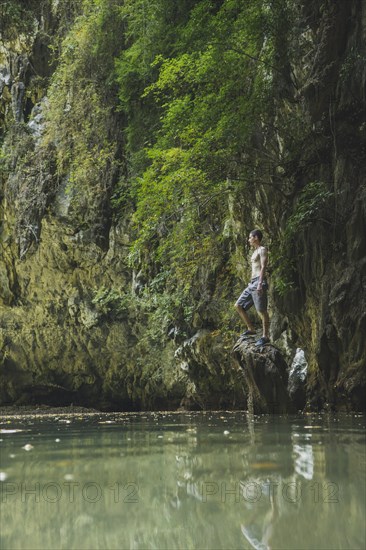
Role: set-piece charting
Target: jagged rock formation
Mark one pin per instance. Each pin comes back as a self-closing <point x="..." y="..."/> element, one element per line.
<point x="67" y="329"/>
<point x="215" y="382"/>
<point x="297" y="379"/>
<point x="246" y="376"/>
<point x="327" y="308"/>
<point x="265" y="372"/>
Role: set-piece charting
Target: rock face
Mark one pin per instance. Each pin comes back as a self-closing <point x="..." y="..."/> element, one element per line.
<point x="297" y="379"/>
<point x="327" y="308"/>
<point x="215" y="382"/>
<point x="246" y="376"/>
<point x="265" y="372"/>
<point x="69" y="330"/>
<point x="74" y="322"/>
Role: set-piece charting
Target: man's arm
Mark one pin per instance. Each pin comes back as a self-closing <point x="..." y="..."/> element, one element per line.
<point x="263" y="255"/>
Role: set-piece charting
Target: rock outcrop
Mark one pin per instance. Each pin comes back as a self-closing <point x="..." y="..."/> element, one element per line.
<point x="214" y="382"/>
<point x="266" y="374"/>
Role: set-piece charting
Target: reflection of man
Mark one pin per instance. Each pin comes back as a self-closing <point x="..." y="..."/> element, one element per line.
<point x="256" y="291"/>
<point x="260" y="531"/>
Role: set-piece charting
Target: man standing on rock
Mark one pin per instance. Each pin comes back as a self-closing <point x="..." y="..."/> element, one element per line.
<point x="256" y="291"/>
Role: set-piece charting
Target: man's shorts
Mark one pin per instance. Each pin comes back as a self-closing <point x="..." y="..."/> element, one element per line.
<point x="251" y="296"/>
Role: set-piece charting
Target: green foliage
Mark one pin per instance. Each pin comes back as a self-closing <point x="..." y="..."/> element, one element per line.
<point x="313" y="208"/>
<point x="195" y="86"/>
<point x="81" y="98"/>
<point x="353" y="63"/>
<point x="111" y="302"/>
<point x="17" y="17"/>
<point x="192" y="111"/>
<point x="312" y="205"/>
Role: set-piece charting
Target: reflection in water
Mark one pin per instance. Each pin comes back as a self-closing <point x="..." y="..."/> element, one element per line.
<point x="200" y="480"/>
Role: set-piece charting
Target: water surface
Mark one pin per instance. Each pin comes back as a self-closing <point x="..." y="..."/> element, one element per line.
<point x="174" y="480"/>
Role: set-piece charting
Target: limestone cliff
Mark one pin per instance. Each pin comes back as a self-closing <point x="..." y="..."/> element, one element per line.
<point x="70" y="329"/>
<point x="327" y="311"/>
<point x="75" y="324"/>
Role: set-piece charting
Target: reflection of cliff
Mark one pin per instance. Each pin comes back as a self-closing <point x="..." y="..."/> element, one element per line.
<point x="287" y="481"/>
<point x="177" y="481"/>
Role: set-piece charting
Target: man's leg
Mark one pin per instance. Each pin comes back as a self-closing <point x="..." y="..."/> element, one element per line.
<point x="260" y="302"/>
<point x="245" y="317"/>
<point x="265" y="323"/>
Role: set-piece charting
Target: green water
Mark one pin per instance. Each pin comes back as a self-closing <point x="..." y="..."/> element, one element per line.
<point x="200" y="480"/>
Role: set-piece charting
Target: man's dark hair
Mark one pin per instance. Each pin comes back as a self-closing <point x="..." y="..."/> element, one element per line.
<point x="257" y="233"/>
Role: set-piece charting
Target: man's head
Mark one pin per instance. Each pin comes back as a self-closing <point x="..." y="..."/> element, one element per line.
<point x="256" y="234"/>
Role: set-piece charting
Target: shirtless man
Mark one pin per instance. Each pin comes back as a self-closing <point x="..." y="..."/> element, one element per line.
<point x="256" y="291"/>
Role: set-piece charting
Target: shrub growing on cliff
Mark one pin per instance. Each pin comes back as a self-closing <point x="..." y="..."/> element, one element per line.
<point x="80" y="118"/>
<point x="314" y="205"/>
<point x="205" y="99"/>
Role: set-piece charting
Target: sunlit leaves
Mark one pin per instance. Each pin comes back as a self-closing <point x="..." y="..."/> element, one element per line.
<point x="196" y="84"/>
